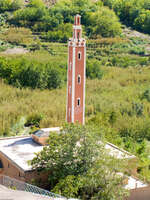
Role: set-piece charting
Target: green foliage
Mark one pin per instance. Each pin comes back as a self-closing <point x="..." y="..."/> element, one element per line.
<point x="60" y="34"/>
<point x="142" y="22"/>
<point x="34" y="120"/>
<point x="93" y="69"/>
<point x="2" y="19"/>
<point x="56" y="20"/>
<point x="18" y="36"/>
<point x="126" y="61"/>
<point x="146" y="95"/>
<point x="10" y="5"/>
<point x="29" y="15"/>
<point x="18" y="126"/>
<point x="137" y="108"/>
<point x="23" y="73"/>
<point x="74" y="172"/>
<point x="104" y="22"/>
<point x="36" y="4"/>
<point x="134" y="13"/>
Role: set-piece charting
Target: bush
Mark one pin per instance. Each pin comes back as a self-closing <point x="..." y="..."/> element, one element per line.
<point x="61" y="34"/>
<point x="93" y="69"/>
<point x="28" y="16"/>
<point x="142" y="22"/>
<point x="34" y="120"/>
<point x="146" y="95"/>
<point x="138" y="108"/>
<point x="22" y="73"/>
<point x="8" y="5"/>
<point x="18" y="36"/>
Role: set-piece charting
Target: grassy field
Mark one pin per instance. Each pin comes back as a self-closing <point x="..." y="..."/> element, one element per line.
<point x="118" y="90"/>
<point x="118" y="103"/>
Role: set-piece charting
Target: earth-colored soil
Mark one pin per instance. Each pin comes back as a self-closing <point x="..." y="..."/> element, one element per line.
<point x="16" y="50"/>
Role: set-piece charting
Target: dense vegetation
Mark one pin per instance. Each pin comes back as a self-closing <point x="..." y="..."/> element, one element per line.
<point x="54" y="23"/>
<point x="134" y="13"/>
<point x="74" y="172"/>
<point x="80" y="166"/>
<point x="33" y="85"/>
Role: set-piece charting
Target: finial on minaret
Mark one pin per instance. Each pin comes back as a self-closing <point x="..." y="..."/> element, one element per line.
<point x="77" y="30"/>
<point x="76" y="75"/>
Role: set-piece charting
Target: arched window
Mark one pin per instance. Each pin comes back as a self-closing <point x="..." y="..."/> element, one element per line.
<point x="79" y="55"/>
<point x="79" y="79"/>
<point x="78" y="101"/>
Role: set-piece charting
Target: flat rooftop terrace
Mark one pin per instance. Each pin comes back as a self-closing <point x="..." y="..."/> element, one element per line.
<point x="20" y="151"/>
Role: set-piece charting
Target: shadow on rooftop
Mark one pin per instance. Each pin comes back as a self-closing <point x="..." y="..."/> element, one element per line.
<point x="23" y="141"/>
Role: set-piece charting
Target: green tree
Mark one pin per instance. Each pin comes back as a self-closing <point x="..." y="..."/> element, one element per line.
<point x="93" y="69"/>
<point x="142" y="22"/>
<point x="105" y="23"/>
<point x="10" y="5"/>
<point x="36" y="4"/>
<point x="79" y="165"/>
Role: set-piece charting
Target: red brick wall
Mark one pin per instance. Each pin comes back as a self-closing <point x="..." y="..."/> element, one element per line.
<point x="79" y="88"/>
<point x="11" y="170"/>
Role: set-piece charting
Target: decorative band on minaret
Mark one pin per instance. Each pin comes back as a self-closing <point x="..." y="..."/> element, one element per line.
<point x="76" y="75"/>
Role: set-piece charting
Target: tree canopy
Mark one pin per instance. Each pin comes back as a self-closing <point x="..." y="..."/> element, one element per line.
<point x="79" y="165"/>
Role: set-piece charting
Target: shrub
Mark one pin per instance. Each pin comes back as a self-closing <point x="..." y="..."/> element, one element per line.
<point x="34" y="120"/>
<point x="93" y="69"/>
<point x="18" y="36"/>
<point x="61" y="34"/>
<point x="24" y="73"/>
<point x="146" y="95"/>
<point x="142" y="22"/>
<point x="8" y="5"/>
<point x="137" y="108"/>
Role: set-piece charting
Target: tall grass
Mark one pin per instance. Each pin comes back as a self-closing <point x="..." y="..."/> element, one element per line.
<point x="117" y="92"/>
<point x="16" y="103"/>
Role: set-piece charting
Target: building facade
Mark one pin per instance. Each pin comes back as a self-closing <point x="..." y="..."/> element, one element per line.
<point x="76" y="75"/>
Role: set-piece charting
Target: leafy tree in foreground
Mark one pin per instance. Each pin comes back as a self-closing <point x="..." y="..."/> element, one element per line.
<point x="79" y="165"/>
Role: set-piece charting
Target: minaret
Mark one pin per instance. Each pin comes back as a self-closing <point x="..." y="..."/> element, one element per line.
<point x="76" y="75"/>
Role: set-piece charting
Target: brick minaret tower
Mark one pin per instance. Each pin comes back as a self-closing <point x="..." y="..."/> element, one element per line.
<point x="76" y="75"/>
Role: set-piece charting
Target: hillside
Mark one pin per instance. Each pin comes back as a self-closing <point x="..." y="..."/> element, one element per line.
<point x="33" y="67"/>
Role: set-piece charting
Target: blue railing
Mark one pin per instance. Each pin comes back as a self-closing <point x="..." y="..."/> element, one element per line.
<point x="12" y="183"/>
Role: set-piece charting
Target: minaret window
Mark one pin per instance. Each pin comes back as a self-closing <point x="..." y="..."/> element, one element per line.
<point x="79" y="79"/>
<point x="79" y="55"/>
<point x="69" y="89"/>
<point x="70" y="66"/>
<point x="69" y="112"/>
<point x="78" y="101"/>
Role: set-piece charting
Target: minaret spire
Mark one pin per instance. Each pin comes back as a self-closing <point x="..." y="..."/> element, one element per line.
<point x="75" y="111"/>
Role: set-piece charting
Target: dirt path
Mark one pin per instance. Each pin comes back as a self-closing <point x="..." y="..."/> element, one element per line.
<point x="16" y="50"/>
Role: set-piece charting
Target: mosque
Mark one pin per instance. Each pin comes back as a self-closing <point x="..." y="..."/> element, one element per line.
<point x="16" y="152"/>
